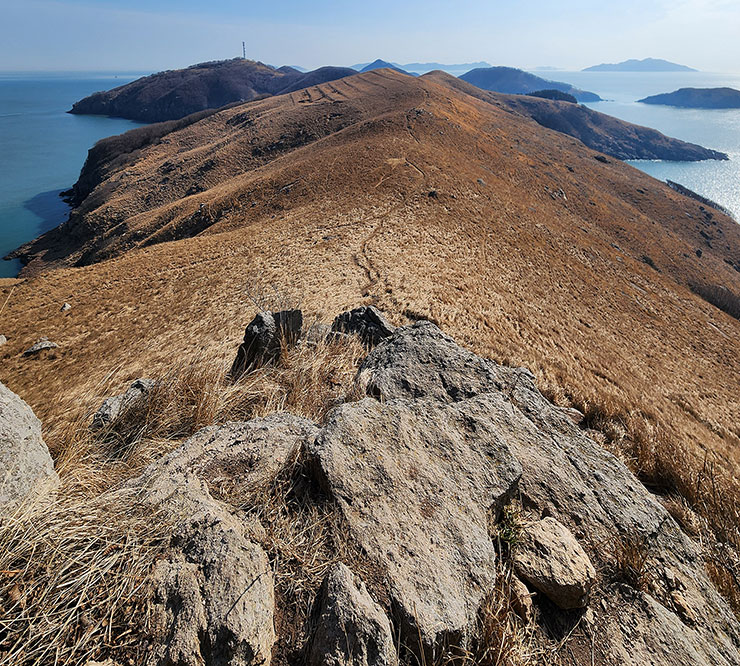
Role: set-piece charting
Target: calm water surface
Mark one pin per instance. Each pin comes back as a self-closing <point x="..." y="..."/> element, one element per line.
<point x="42" y="149"/>
<point x="718" y="129"/>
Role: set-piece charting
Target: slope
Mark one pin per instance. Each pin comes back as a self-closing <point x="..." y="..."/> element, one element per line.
<point x="421" y="199"/>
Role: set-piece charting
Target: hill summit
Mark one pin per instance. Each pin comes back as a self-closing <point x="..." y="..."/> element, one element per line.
<point x="177" y="93"/>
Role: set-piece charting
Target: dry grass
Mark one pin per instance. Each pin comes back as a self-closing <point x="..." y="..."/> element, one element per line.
<point x="72" y="579"/>
<point x="631" y="554"/>
<point x="73" y="569"/>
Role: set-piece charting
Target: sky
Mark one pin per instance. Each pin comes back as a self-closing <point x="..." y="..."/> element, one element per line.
<point x="151" y="35"/>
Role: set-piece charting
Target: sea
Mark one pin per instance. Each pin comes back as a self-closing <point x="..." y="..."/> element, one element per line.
<point x="43" y="148"/>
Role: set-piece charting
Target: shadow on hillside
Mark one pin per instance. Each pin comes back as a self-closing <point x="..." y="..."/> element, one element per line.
<point x="49" y="208"/>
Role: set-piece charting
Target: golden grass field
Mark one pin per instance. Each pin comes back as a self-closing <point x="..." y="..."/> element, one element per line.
<point x="429" y="203"/>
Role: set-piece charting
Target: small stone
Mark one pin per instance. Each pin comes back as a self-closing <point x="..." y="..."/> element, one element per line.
<point x="521" y="600"/>
<point x="41" y="345"/>
<point x="3" y="340"/>
<point x="550" y="559"/>
<point x="65" y="307"/>
<point x="367" y="322"/>
<point x="264" y="339"/>
<point x="113" y="407"/>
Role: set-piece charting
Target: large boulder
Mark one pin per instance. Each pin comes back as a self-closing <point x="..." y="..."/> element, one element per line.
<point x="569" y="477"/>
<point x="416" y="483"/>
<point x="26" y="467"/>
<point x="367" y="322"/>
<point x="350" y="628"/>
<point x="264" y="338"/>
<point x="549" y="558"/>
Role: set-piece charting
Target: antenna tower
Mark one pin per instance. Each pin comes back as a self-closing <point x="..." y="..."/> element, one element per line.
<point x="244" y="51"/>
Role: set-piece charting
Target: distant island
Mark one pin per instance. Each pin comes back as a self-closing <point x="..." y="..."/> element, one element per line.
<point x="646" y="65"/>
<point x="698" y="98"/>
<point x="516" y="81"/>
<point x="381" y="64"/>
<point x="177" y="93"/>
<point x="424" y="67"/>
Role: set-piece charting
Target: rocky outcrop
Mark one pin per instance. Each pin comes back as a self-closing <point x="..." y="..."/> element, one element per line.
<point x="414" y="480"/>
<point x="264" y="339"/>
<point x="112" y="408"/>
<point x="213" y="594"/>
<point x="351" y="629"/>
<point x="367" y="322"/>
<point x="25" y="464"/>
<point x="567" y="476"/>
<point x="549" y="558"/>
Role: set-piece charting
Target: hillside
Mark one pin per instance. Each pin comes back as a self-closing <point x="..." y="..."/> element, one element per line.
<point x="698" y="98"/>
<point x="92" y="233"/>
<point x="645" y="65"/>
<point x="433" y="200"/>
<point x="177" y="93"/>
<point x="320" y="192"/>
<point x="516" y="81"/>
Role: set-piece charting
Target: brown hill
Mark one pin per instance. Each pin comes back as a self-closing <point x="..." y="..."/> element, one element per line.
<point x="177" y="93"/>
<point x="427" y="201"/>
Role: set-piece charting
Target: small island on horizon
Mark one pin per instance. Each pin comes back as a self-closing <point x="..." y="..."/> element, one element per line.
<point x="698" y="98"/>
<point x="645" y="65"/>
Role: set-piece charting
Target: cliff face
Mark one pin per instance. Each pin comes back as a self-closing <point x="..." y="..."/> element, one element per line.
<point x="698" y="98"/>
<point x="177" y="93"/>
<point x="516" y="81"/>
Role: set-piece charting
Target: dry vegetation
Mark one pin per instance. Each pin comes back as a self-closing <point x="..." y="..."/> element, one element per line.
<point x="343" y="216"/>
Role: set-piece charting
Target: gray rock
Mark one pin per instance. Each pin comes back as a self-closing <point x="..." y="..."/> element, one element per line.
<point x="415" y="483"/>
<point x="26" y="468"/>
<point x="213" y="595"/>
<point x="421" y="361"/>
<point x="264" y="339"/>
<point x="112" y="408"/>
<point x="568" y="476"/>
<point x="549" y="558"/>
<point x="367" y="322"/>
<point x="214" y="600"/>
<point x="65" y="307"/>
<point x="3" y="340"/>
<point x="41" y="345"/>
<point x="350" y="628"/>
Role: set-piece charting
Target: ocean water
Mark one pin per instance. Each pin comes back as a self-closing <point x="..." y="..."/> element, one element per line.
<point x="42" y="149"/>
<point x="718" y="129"/>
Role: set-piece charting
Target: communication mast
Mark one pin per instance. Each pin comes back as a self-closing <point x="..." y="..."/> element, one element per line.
<point x="244" y="51"/>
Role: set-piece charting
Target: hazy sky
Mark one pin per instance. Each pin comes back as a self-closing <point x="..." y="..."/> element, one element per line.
<point x="147" y="35"/>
